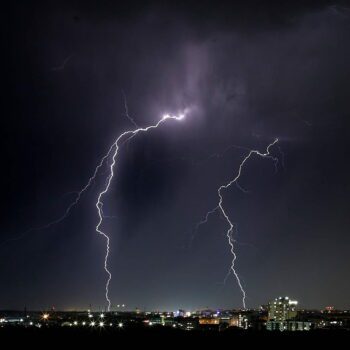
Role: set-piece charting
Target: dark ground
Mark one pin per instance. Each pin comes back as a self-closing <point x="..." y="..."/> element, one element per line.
<point x="166" y="337"/>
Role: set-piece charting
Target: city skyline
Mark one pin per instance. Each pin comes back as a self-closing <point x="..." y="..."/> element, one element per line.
<point x="279" y="315"/>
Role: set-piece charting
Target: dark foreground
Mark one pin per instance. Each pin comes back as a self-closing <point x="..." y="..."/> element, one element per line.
<point x="157" y="335"/>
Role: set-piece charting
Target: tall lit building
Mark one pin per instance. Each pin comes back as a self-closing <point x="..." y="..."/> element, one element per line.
<point x="282" y="309"/>
<point x="282" y="314"/>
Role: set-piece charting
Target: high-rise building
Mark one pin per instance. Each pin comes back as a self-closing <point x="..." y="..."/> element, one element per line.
<point x="282" y="309"/>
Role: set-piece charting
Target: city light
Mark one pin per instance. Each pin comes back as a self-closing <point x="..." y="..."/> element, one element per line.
<point x="280" y="314"/>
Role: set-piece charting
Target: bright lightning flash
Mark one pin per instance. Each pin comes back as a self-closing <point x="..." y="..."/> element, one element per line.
<point x="99" y="204"/>
<point x="113" y="152"/>
<point x="229" y="232"/>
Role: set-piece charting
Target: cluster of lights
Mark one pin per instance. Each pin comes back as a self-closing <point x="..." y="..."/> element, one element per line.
<point x="75" y="323"/>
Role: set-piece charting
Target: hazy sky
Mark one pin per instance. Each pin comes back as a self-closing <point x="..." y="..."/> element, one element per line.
<point x="250" y="72"/>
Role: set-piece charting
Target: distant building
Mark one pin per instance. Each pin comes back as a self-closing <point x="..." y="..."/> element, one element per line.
<point x="329" y="309"/>
<point x="289" y="325"/>
<point x="249" y="319"/>
<point x="282" y="309"/>
<point x="234" y="321"/>
<point x="180" y="313"/>
<point x="238" y="320"/>
<point x="209" y="321"/>
<point x="187" y="323"/>
<point x="281" y="316"/>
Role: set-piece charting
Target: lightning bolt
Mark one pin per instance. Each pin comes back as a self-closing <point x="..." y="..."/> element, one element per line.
<point x="113" y="152"/>
<point x="220" y="207"/>
<point x="62" y="66"/>
<point x="126" y="108"/>
<point x="114" y="149"/>
<point x="70" y="206"/>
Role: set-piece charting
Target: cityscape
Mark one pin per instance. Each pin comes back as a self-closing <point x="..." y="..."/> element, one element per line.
<point x="175" y="169"/>
<point x="279" y="315"/>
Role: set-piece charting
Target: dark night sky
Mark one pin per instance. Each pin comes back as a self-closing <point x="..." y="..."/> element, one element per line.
<point x="251" y="72"/>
